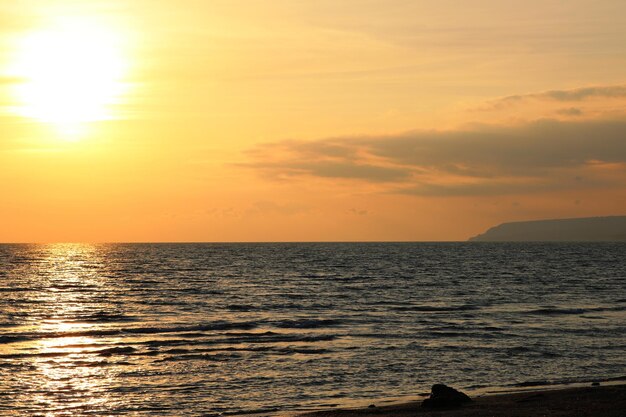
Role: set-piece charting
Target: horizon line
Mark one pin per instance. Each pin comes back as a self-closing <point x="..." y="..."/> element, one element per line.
<point x="139" y="242"/>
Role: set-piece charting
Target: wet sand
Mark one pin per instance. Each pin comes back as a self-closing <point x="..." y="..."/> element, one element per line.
<point x="602" y="401"/>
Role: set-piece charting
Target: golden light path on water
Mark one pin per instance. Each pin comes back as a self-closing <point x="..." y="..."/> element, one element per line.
<point x="67" y="378"/>
<point x="72" y="385"/>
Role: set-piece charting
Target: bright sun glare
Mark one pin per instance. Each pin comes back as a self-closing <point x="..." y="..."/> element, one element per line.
<point x="71" y="74"/>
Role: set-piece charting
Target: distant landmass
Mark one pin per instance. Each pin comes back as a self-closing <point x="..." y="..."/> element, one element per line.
<point x="587" y="229"/>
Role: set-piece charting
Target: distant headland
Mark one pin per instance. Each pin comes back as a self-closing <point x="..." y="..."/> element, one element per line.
<point x="587" y="229"/>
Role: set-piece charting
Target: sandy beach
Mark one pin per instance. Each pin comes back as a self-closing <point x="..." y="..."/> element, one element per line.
<point x="601" y="401"/>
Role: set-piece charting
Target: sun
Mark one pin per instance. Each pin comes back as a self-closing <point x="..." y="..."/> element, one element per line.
<point x="70" y="74"/>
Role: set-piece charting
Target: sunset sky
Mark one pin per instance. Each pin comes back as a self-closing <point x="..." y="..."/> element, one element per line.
<point x="307" y="120"/>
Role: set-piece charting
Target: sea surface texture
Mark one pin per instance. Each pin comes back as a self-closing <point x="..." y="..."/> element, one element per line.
<point x="226" y="329"/>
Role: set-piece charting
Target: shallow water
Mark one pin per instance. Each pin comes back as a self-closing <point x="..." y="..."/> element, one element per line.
<point x="220" y="329"/>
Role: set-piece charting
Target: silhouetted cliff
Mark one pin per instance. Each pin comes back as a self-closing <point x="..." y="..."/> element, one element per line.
<point x="595" y="229"/>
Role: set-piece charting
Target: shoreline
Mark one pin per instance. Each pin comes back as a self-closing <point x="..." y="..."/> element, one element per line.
<point x="607" y="400"/>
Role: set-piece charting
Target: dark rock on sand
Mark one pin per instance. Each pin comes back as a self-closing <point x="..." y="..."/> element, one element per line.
<point x="443" y="396"/>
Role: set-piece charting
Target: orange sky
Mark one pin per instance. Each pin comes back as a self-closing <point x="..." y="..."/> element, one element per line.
<point x="282" y="120"/>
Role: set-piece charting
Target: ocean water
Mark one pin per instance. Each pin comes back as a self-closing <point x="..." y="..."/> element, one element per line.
<point x="226" y="329"/>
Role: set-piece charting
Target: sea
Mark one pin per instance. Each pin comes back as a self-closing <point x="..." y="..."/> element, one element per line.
<point x="273" y="328"/>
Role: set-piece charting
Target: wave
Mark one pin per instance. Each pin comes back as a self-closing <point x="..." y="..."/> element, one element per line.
<point x="123" y="350"/>
<point x="103" y="316"/>
<point x="63" y="287"/>
<point x="186" y="355"/>
<point x="13" y="339"/>
<point x="216" y="326"/>
<point x="96" y="317"/>
<point x="305" y="323"/>
<point x="241" y="307"/>
<point x="247" y="412"/>
<point x="528" y="351"/>
<point x="17" y="289"/>
<point x="201" y="356"/>
<point x="557" y="311"/>
<point x="430" y="308"/>
<point x="554" y="311"/>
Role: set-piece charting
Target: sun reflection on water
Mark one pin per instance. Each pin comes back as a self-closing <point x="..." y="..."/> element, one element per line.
<point x="69" y="375"/>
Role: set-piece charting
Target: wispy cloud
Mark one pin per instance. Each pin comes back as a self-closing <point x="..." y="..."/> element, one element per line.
<point x="541" y="156"/>
<point x="570" y="111"/>
<point x="568" y="96"/>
